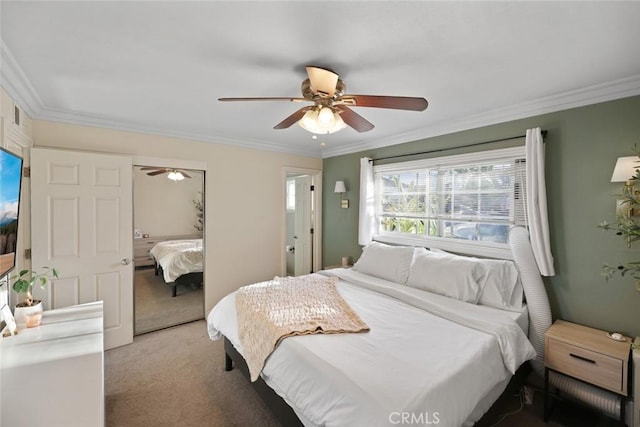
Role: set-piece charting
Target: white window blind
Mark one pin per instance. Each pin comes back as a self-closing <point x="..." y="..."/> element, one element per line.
<point x="471" y="197"/>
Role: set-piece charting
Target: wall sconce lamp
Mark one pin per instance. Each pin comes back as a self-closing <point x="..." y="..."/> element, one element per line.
<point x="625" y="171"/>
<point x="340" y="188"/>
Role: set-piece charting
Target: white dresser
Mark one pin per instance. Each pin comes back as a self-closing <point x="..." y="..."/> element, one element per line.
<point x="53" y="375"/>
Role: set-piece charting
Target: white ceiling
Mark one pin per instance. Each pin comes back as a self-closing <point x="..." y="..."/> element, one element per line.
<point x="159" y="67"/>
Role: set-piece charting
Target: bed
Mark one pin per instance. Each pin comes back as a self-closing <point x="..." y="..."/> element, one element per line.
<point x="429" y="357"/>
<point x="179" y="261"/>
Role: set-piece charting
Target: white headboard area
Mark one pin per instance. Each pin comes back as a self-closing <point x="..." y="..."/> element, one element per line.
<point x="534" y="291"/>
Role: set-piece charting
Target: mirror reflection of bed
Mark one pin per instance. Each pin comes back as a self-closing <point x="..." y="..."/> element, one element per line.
<point x="168" y="247"/>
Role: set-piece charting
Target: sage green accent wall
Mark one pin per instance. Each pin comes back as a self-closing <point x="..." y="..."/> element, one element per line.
<point x="581" y="150"/>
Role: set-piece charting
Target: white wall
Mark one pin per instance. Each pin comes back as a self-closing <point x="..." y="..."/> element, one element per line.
<point x="244" y="197"/>
<point x="162" y="207"/>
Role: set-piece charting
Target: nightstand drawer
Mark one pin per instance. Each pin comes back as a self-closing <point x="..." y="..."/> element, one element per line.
<point x="587" y="365"/>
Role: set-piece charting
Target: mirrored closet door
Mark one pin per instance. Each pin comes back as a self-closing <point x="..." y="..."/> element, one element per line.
<point x="168" y="247"/>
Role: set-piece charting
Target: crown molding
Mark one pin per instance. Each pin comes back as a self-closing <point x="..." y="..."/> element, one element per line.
<point x="617" y="89"/>
<point x="84" y="119"/>
<point x="16" y="83"/>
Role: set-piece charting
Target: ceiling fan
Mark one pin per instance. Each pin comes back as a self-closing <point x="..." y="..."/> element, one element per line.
<point x="331" y="109"/>
<point x="173" y="174"/>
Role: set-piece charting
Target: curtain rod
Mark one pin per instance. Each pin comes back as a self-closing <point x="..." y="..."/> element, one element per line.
<point x="544" y="135"/>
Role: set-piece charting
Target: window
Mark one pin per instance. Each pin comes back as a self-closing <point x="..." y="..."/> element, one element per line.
<point x="291" y="195"/>
<point x="473" y="197"/>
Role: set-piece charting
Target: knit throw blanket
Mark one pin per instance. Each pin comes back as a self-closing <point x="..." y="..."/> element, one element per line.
<point x="283" y="307"/>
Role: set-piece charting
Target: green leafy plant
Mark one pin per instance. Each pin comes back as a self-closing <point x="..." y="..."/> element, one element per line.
<point x="627" y="225"/>
<point x="199" y="205"/>
<point x="409" y="202"/>
<point x="25" y="279"/>
<point x="631" y="230"/>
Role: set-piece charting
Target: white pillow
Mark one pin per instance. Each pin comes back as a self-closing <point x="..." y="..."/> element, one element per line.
<point x="386" y="262"/>
<point x="451" y="276"/>
<point x="501" y="285"/>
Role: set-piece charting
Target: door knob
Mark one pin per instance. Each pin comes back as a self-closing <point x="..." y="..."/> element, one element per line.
<point x="125" y="261"/>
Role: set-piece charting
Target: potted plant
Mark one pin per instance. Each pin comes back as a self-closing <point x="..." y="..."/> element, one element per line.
<point x="199" y="205"/>
<point x="627" y="225"/>
<point x="29" y="310"/>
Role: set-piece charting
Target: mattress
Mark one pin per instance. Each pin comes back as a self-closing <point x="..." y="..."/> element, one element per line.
<point x="411" y="362"/>
<point x="178" y="257"/>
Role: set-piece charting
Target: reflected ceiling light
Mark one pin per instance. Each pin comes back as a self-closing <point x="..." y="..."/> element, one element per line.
<point x="175" y="176"/>
<point x="322" y="120"/>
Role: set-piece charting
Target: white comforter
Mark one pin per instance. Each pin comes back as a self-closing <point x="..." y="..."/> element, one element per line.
<point x="412" y="363"/>
<point x="178" y="257"/>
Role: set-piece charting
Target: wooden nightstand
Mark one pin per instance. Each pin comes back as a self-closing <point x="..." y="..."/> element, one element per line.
<point x="587" y="354"/>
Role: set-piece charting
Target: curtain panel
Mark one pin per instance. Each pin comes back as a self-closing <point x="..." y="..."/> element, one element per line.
<point x="537" y="218"/>
<point x="367" y="200"/>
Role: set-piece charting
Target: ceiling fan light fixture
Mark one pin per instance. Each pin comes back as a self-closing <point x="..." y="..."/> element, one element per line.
<point x="325" y="117"/>
<point x="339" y="124"/>
<point x="331" y="110"/>
<point x="309" y="120"/>
<point x="175" y="176"/>
<point x="322" y="121"/>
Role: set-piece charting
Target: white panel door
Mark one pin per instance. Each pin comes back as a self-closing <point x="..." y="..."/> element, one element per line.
<point x="303" y="237"/>
<point x="81" y="210"/>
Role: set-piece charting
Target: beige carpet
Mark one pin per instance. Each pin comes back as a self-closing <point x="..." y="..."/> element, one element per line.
<point x="176" y="378"/>
<point x="156" y="309"/>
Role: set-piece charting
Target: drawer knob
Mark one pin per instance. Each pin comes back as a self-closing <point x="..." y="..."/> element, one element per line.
<point x="584" y="359"/>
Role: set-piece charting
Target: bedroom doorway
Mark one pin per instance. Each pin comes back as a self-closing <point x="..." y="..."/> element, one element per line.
<point x="301" y="240"/>
<point x="168" y="246"/>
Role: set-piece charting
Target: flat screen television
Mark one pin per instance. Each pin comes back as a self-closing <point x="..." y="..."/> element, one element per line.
<point x="10" y="185"/>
